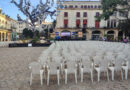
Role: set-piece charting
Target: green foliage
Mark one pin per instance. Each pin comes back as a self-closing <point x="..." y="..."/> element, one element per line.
<point x="46" y="33"/>
<point x="51" y="38"/>
<point x="37" y="34"/>
<point x="35" y="40"/>
<point x="125" y="27"/>
<point x="108" y="6"/>
<point x="105" y="35"/>
<point x="23" y="41"/>
<point x="27" y="33"/>
<point x="30" y="34"/>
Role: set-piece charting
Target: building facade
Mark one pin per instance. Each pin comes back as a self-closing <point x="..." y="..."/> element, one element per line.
<point x="78" y="19"/>
<point x="5" y="27"/>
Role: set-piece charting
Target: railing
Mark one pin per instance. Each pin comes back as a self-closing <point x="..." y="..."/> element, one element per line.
<point x="5" y="28"/>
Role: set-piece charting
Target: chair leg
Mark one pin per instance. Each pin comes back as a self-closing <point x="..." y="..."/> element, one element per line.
<point x="31" y="79"/>
<point x="41" y="77"/>
<point x="107" y="75"/>
<point x="126" y="73"/>
<point x="65" y="76"/>
<point x="76" y="76"/>
<point x="58" y="77"/>
<point x="112" y="72"/>
<point x="81" y="74"/>
<point x="48" y="77"/>
<point x="92" y="76"/>
<point x="121" y="74"/>
<point x="98" y="75"/>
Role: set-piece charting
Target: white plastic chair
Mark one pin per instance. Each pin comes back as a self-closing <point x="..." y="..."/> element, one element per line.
<point x="86" y="67"/>
<point x="53" y="69"/>
<point x="35" y="68"/>
<point x="125" y="68"/>
<point x="70" y="68"/>
<point x="97" y="61"/>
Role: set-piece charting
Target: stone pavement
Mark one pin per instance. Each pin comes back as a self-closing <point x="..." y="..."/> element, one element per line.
<point x="14" y="74"/>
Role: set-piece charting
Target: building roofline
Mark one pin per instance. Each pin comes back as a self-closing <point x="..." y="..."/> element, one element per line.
<point x="82" y="1"/>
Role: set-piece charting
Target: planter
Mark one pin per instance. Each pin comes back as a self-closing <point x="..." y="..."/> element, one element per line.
<point x="29" y="45"/>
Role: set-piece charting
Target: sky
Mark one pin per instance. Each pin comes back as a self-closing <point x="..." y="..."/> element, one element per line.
<point x="11" y="10"/>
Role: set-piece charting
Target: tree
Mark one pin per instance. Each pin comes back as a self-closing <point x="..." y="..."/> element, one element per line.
<point x="54" y="23"/>
<point x="35" y="14"/>
<point x="108" y="6"/>
<point x="44" y="33"/>
<point x="123" y="7"/>
<point x="125" y="27"/>
<point x="27" y="33"/>
<point x="37" y="34"/>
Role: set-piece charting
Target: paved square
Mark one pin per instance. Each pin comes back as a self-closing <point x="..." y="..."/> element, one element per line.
<point x="14" y="74"/>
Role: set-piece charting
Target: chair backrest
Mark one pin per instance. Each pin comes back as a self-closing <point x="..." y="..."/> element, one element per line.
<point x="35" y="67"/>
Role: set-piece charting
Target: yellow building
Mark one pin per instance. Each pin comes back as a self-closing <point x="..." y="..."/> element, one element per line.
<point x="5" y="27"/>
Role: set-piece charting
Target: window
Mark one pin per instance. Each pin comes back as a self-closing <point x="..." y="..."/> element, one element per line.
<point x="85" y="6"/>
<point x="95" y="6"/>
<point x="76" y="6"/>
<point x="65" y="6"/>
<point x="114" y="23"/>
<point x="85" y="23"/>
<point x="85" y="14"/>
<point x="78" y="23"/>
<point x="78" y="14"/>
<point x="114" y="13"/>
<point x="97" y="14"/>
<point x="122" y="14"/>
<point x="88" y="6"/>
<point x="97" y="24"/>
<point x="65" y="23"/>
<point x="71" y="6"/>
<point x="65" y="14"/>
<point x="82" y="6"/>
<point x="108" y="24"/>
<point x="91" y="6"/>
<point x="99" y="6"/>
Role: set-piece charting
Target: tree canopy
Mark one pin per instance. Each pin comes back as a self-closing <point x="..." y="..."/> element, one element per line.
<point x="110" y="7"/>
<point x="29" y="33"/>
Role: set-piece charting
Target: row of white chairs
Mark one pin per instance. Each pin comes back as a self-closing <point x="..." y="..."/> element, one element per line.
<point x="104" y="56"/>
<point x="71" y="67"/>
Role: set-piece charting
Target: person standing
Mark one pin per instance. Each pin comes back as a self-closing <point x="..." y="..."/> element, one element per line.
<point x="125" y="40"/>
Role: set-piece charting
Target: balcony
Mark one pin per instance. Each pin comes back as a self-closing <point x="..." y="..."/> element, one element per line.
<point x="5" y="28"/>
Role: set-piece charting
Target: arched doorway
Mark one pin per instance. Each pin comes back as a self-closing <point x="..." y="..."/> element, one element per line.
<point x="66" y="35"/>
<point x="120" y="35"/>
<point x="3" y="36"/>
<point x="110" y="35"/>
<point x="96" y="35"/>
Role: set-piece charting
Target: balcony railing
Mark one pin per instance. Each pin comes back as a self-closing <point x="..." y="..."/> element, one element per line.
<point x="5" y="28"/>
